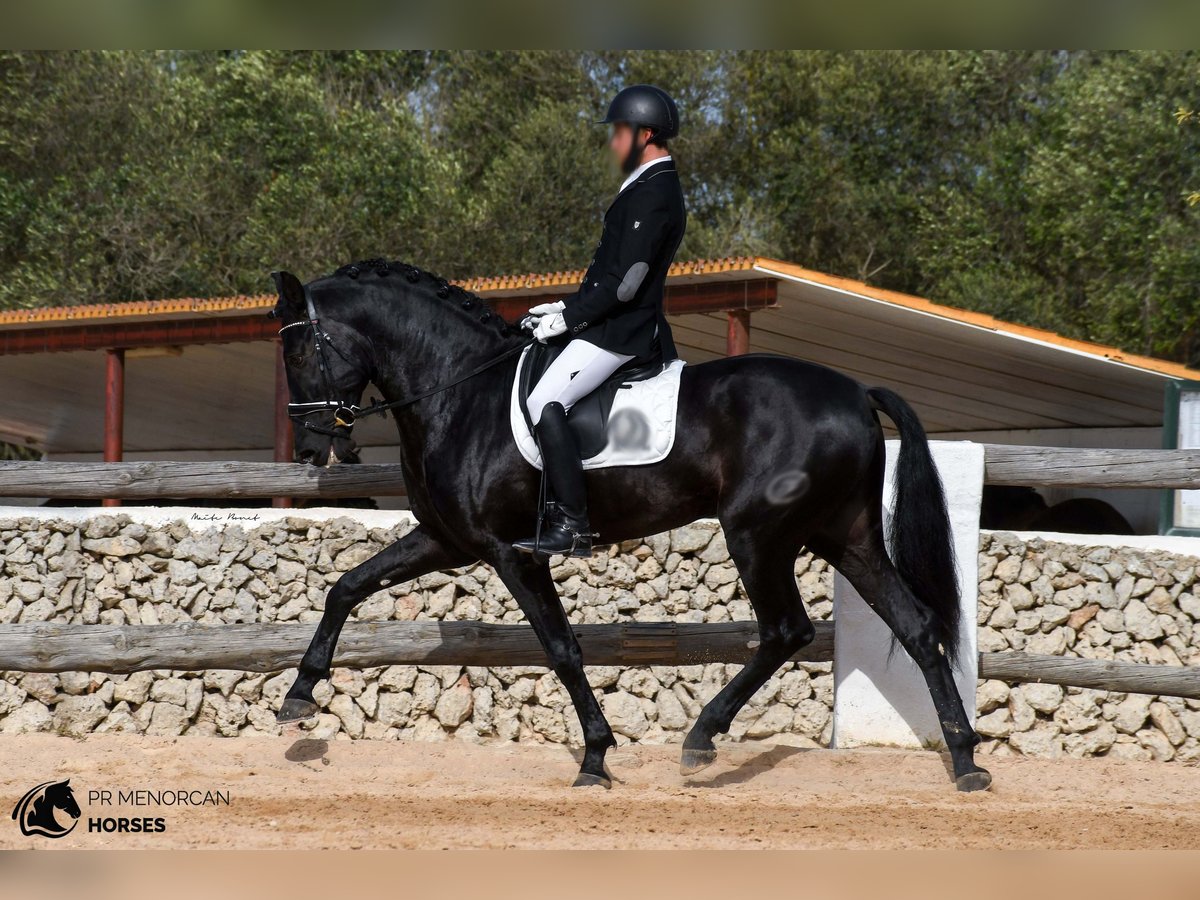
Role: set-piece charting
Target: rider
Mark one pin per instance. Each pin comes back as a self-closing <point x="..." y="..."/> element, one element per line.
<point x="616" y="316"/>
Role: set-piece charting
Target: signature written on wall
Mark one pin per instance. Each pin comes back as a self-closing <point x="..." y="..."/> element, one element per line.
<point x="224" y="516"/>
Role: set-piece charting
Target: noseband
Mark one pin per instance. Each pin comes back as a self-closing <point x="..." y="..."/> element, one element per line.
<point x="346" y="414"/>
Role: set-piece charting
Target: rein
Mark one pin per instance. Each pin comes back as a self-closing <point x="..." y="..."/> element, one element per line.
<point x="346" y="414"/>
<point x="378" y="408"/>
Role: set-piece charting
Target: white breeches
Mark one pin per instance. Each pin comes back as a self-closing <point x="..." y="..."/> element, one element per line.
<point x="579" y="369"/>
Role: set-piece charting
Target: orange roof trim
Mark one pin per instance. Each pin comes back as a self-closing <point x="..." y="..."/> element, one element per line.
<point x="70" y="315"/>
<point x="91" y="312"/>
<point x="572" y="277"/>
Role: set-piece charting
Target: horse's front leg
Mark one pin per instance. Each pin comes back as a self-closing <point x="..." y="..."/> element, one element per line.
<point x="417" y="553"/>
<point x="534" y="590"/>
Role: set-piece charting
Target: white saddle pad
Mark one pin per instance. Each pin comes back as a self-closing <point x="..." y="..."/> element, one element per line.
<point x="641" y="425"/>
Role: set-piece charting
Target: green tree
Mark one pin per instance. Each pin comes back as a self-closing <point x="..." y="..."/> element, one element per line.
<point x="1076" y="220"/>
<point x="127" y="175"/>
<point x="1187" y="116"/>
<point x="1043" y="187"/>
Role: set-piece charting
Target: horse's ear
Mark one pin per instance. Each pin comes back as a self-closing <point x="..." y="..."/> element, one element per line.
<point x="291" y="291"/>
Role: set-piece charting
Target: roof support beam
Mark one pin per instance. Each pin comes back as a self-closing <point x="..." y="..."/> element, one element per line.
<point x="737" y="333"/>
<point x="174" y="332"/>
<point x="679" y="299"/>
<point x="114" y="410"/>
<point x="283" y="424"/>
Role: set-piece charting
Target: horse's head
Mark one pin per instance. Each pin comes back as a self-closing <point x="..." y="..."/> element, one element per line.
<point x="62" y="797"/>
<point x="328" y="368"/>
<point x="389" y="323"/>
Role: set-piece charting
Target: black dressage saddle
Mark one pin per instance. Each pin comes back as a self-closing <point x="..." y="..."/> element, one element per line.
<point x="589" y="417"/>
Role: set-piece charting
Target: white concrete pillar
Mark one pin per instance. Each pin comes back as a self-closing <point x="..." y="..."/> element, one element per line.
<point x="886" y="703"/>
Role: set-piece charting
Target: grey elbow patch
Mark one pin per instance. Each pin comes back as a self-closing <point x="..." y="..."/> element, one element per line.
<point x="632" y="281"/>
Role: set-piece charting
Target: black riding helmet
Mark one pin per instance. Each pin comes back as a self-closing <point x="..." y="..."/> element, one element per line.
<point x="644" y="106"/>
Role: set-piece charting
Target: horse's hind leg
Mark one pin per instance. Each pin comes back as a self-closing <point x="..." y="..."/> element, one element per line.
<point x="866" y="565"/>
<point x="767" y="570"/>
<point x="417" y="553"/>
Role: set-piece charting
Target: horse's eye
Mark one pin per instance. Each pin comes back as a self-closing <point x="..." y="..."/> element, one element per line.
<point x="295" y="359"/>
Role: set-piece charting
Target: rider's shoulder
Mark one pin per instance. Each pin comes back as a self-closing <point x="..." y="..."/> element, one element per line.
<point x="661" y="177"/>
<point x="649" y="193"/>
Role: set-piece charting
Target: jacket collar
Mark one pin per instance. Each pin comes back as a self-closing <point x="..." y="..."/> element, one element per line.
<point x="639" y="174"/>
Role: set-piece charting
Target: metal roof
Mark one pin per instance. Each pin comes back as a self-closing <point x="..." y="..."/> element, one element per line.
<point x="963" y="371"/>
<point x="857" y="289"/>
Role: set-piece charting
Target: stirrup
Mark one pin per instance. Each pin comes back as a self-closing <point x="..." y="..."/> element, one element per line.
<point x="581" y="542"/>
<point x="569" y="542"/>
<point x="577" y="536"/>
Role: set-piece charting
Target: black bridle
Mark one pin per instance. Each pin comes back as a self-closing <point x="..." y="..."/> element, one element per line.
<point x="346" y="414"/>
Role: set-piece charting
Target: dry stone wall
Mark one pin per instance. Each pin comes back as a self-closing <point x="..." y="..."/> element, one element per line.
<point x="114" y="571"/>
<point x="1036" y="596"/>
<point x="1096" y="603"/>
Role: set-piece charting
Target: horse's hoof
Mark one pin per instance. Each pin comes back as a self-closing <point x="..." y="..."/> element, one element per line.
<point x="693" y="761"/>
<point x="586" y="779"/>
<point x="296" y="710"/>
<point x="974" y="781"/>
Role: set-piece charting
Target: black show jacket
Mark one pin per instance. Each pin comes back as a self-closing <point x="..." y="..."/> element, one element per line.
<point x="619" y="304"/>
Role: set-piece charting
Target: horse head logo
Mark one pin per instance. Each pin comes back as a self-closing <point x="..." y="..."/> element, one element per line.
<point x="35" y="811"/>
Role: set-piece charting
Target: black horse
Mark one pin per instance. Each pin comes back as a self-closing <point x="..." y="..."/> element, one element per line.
<point x="784" y="453"/>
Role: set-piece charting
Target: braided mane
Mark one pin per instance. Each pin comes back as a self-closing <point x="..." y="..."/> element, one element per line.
<point x="468" y="301"/>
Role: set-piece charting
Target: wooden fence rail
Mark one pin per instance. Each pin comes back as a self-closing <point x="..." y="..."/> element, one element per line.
<point x="1102" y="674"/>
<point x="217" y="480"/>
<point x="48" y="647"/>
<point x="1033" y="466"/>
<point x="1081" y="467"/>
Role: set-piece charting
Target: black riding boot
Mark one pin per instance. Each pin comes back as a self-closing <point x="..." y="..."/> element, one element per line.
<point x="565" y="528"/>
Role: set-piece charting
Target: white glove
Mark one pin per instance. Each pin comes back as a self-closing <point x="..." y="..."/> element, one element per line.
<point x="550" y="326"/>
<point x="548" y="309"/>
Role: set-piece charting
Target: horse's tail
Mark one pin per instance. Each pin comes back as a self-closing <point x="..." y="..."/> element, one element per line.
<point x="921" y="540"/>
